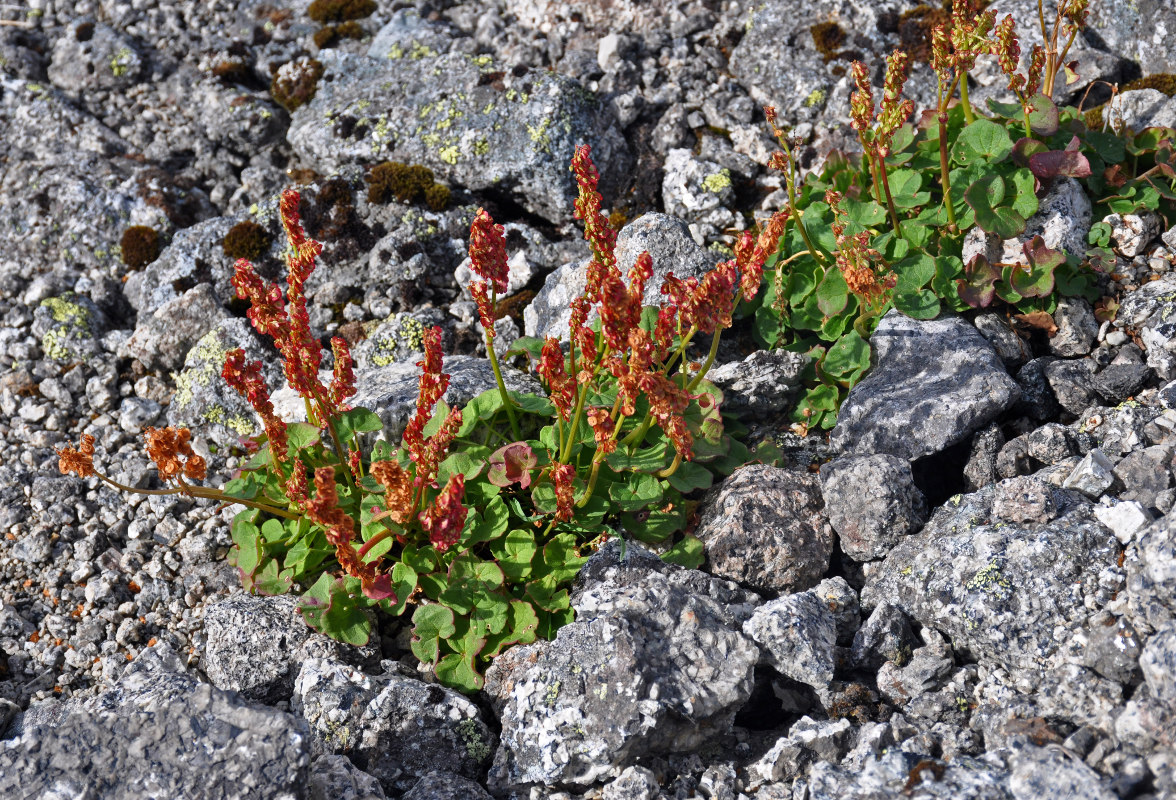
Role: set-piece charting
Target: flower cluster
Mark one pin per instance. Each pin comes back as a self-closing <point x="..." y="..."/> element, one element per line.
<point x="324" y="510"/>
<point x="488" y="261"/>
<point x="856" y="260"/>
<point x="446" y="517"/>
<point x="955" y="46"/>
<point x="167" y="447"/>
<point x="427" y="452"/>
<point x="79" y="460"/>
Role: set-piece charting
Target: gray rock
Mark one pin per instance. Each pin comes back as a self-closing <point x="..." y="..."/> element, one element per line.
<point x="1050" y="771"/>
<point x="1052" y="443"/>
<point x="69" y="326"/>
<point x="93" y="57"/>
<point x="1113" y="647"/>
<point x="1151" y="575"/>
<point x="1136" y="110"/>
<point x="409" y="102"/>
<point x="1151" y="311"/>
<point x="666" y="239"/>
<point x="1140" y="31"/>
<point x="900" y="773"/>
<point x="1024" y="499"/>
<point x="763" y="528"/>
<point x="1093" y="475"/>
<point x="1132" y="233"/>
<point x="1145" y="473"/>
<point x="1077" y="328"/>
<point x="333" y="777"/>
<point x="438" y="785"/>
<point x="1158" y="663"/>
<point x="841" y="599"/>
<point x="635" y="783"/>
<point x="872" y="502"/>
<point x="1003" y="593"/>
<point x="927" y="669"/>
<point x="699" y="192"/>
<point x="256" y="644"/>
<point x="886" y="635"/>
<point x="761" y="385"/>
<point x="195" y="255"/>
<point x="1118" y="383"/>
<point x="160" y="733"/>
<point x="398" y="339"/>
<point x="1124" y="519"/>
<point x="934" y="384"/>
<point x="648" y="668"/>
<point x="1072" y="383"/>
<point x="1011" y="348"/>
<point x="1037" y="398"/>
<point x="797" y="633"/>
<point x="981" y="467"/>
<point x="163" y="338"/>
<point x="203" y="401"/>
<point x="391" y="726"/>
<point x="1062" y="221"/>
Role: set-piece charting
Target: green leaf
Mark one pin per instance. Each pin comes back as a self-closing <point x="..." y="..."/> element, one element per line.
<point x="457" y="669"/>
<point x="300" y="435"/>
<point x="560" y="561"/>
<point x="914" y="271"/>
<point x="832" y="292"/>
<point x="646" y="459"/>
<point x="690" y="476"/>
<point x="920" y="304"/>
<point x="534" y="404"/>
<point x="638" y="490"/>
<point x="357" y="420"/>
<point x="1109" y="146"/>
<point x="247" y="539"/>
<point x="430" y="624"/>
<point x="689" y="553"/>
<point x="1004" y="110"/>
<point x="1024" y="197"/>
<point x="529" y="345"/>
<point x="331" y="608"/>
<point x="522" y="623"/>
<point x="272" y="531"/>
<point x="985" y="197"/>
<point x="654" y="526"/>
<point x="306" y="554"/>
<point x="848" y="357"/>
<point x="861" y="215"/>
<point x="468" y="462"/>
<point x="482" y="407"/>
<point x="492" y="522"/>
<point x="515" y="552"/>
<point x="1043" y="119"/>
<point x="982" y="141"/>
<point x="404" y="583"/>
<point x="904" y="188"/>
<point x="1100" y="234"/>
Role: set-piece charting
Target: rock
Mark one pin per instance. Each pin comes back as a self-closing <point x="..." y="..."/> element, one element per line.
<point x="1077" y="328"/>
<point x="1037" y="397"/>
<point x="667" y="240"/>
<point x="1002" y="592"/>
<point x="1145" y="474"/>
<point x="761" y="385"/>
<point x="1151" y="575"/>
<point x="1072" y="383"/>
<point x="1093" y="475"/>
<point x="1136" y="110"/>
<point x="898" y="772"/>
<point x="934" y="384"/>
<point x="1132" y="233"/>
<point x="648" y="668"/>
<point x="872" y="502"/>
<point x="1124" y="519"/>
<point x="162" y="339"/>
<point x="69" y="326"/>
<point x="1052" y="443"/>
<point x="1151" y="311"/>
<point x="1012" y="349"/>
<point x="194" y="256"/>
<point x="438" y="785"/>
<point x="1158" y="664"/>
<point x="797" y="633"/>
<point x="393" y="727"/>
<point x="635" y="783"/>
<point x="203" y="401"/>
<point x="701" y="193"/>
<point x="408" y="101"/>
<point x="886" y="635"/>
<point x="1118" y="383"/>
<point x="92" y="57"/>
<point x="981" y="467"/>
<point x="763" y="528"/>
<point x="1140" y="31"/>
<point x="399" y="339"/>
<point x="927" y="669"/>
<point x="159" y="732"/>
<point x="841" y="599"/>
<point x="1050" y="771"/>
<point x="1062" y="221"/>
<point x="333" y="777"/>
<point x="1024" y="499"/>
<point x="255" y="646"/>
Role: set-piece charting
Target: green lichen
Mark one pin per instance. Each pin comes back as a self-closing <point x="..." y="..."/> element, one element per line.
<point x="120" y="63"/>
<point x="53" y="346"/>
<point x="411" y="334"/>
<point x="481" y="147"/>
<point x="539" y="135"/>
<point x="66" y="312"/>
<point x="552" y="695"/>
<point x="481" y="61"/>
<point x="477" y="748"/>
<point x="718" y="182"/>
<point x="209" y="355"/>
<point x="990" y="581"/>
<point x="815" y="98"/>
<point x="449" y="155"/>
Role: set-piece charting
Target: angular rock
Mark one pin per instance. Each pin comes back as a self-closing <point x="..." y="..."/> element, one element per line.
<point x="1072" y="383"/>
<point x="1062" y="221"/>
<point x="335" y="778"/>
<point x="1151" y="576"/>
<point x="647" y="668"/>
<point x="1151" y="311"/>
<point x="1093" y="475"/>
<point x="1003" y="593"/>
<point x="1037" y="772"/>
<point x="69" y="326"/>
<point x="195" y="255"/>
<point x="886" y="635"/>
<point x="1158" y="663"/>
<point x="699" y="192"/>
<point x="911" y="773"/>
<point x="927" y="669"/>
<point x="162" y="339"/>
<point x="797" y="633"/>
<point x="393" y="727"/>
<point x="763" y="528"/>
<point x="437" y="785"/>
<point x="1124" y="519"/>
<point x="934" y="384"/>
<point x="1132" y="233"/>
<point x="1024" y="499"/>
<point x="92" y="57"/>
<point x="761" y="385"/>
<point x="635" y="783"/>
<point x="408" y="101"/>
<point x="872" y="502"/>
<point x="1145" y="473"/>
<point x="1077" y="328"/>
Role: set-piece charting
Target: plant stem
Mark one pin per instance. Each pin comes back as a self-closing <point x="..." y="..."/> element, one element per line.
<point x="591" y="485"/>
<point x="944" y="177"/>
<point x="969" y="117"/>
<point x="566" y="453"/>
<point x="507" y="403"/>
<point x="199" y="491"/>
<point x="789" y="184"/>
<point x="881" y="164"/>
<point x="672" y="468"/>
<point x="710" y="357"/>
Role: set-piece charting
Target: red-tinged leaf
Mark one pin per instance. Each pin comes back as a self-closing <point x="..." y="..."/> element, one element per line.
<point x="1026" y="148"/>
<point x="1072" y="75"/>
<point x="380" y="588"/>
<point x="1115" y="176"/>
<point x="1106" y="309"/>
<point x="1041" y="256"/>
<point x="1043" y="115"/>
<point x="512" y="463"/>
<point x="978" y="286"/>
<point x="1059" y="163"/>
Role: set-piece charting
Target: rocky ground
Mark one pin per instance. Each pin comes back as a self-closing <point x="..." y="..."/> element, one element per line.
<point x="966" y="592"/>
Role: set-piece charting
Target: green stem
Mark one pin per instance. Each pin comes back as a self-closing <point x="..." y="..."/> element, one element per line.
<point x="591" y="485"/>
<point x="789" y="184"/>
<point x="969" y="117"/>
<point x="507" y="403"/>
<point x="207" y="494"/>
<point x="944" y="177"/>
<point x="566" y="453"/>
<point x="672" y="468"/>
<point x="881" y="164"/>
<point x="710" y="358"/>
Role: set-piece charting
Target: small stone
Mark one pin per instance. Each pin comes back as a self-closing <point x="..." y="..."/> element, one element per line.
<point x="1124" y="519"/>
<point x="1093" y="475"/>
<point x="798" y="633"/>
<point x="1024" y="499"/>
<point x="1077" y="328"/>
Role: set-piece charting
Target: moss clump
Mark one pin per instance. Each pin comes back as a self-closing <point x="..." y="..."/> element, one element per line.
<point x="231" y="71"/>
<point x="1094" y="118"/>
<point x="140" y="246"/>
<point x="331" y="34"/>
<point x="828" y="37"/>
<point x="914" y="29"/>
<point x="437" y="197"/>
<point x="246" y="240"/>
<point x="1162" y="82"/>
<point x="403" y="181"/>
<point x="340" y="10"/>
<point x="295" y="83"/>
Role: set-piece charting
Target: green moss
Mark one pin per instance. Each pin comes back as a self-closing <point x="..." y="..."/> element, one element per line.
<point x="1094" y="118"/>
<point x="393" y="179"/>
<point x="332" y="34"/>
<point x="295" y="84"/>
<point x="246" y="240"/>
<point x="1161" y="82"/>
<point x="828" y="37"/>
<point x="914" y="29"/>
<point x="139" y="246"/>
<point x="437" y="197"/>
<point x="340" y="10"/>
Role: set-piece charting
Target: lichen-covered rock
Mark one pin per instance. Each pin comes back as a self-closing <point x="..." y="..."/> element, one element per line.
<point x="333" y="777"/>
<point x="763" y="528"/>
<point x="761" y="385"/>
<point x="648" y="668"/>
<point x="438" y="785"/>
<point x="935" y="383"/>
<point x="69" y="326"/>
<point x="910" y="774"/>
<point x="872" y="502"/>
<point x="1136" y="110"/>
<point x="1005" y="593"/>
<point x="391" y="726"/>
<point x="407" y="101"/>
<point x="256" y="644"/>
<point x="163" y="338"/>
<point x="1077" y="328"/>
<point x="1151" y="575"/>
<point x="90" y="57"/>
<point x="1050" y="771"/>
<point x="203" y="401"/>
<point x="1150" y="310"/>
<point x="398" y="339"/>
<point x="194" y="256"/>
<point x="701" y="193"/>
